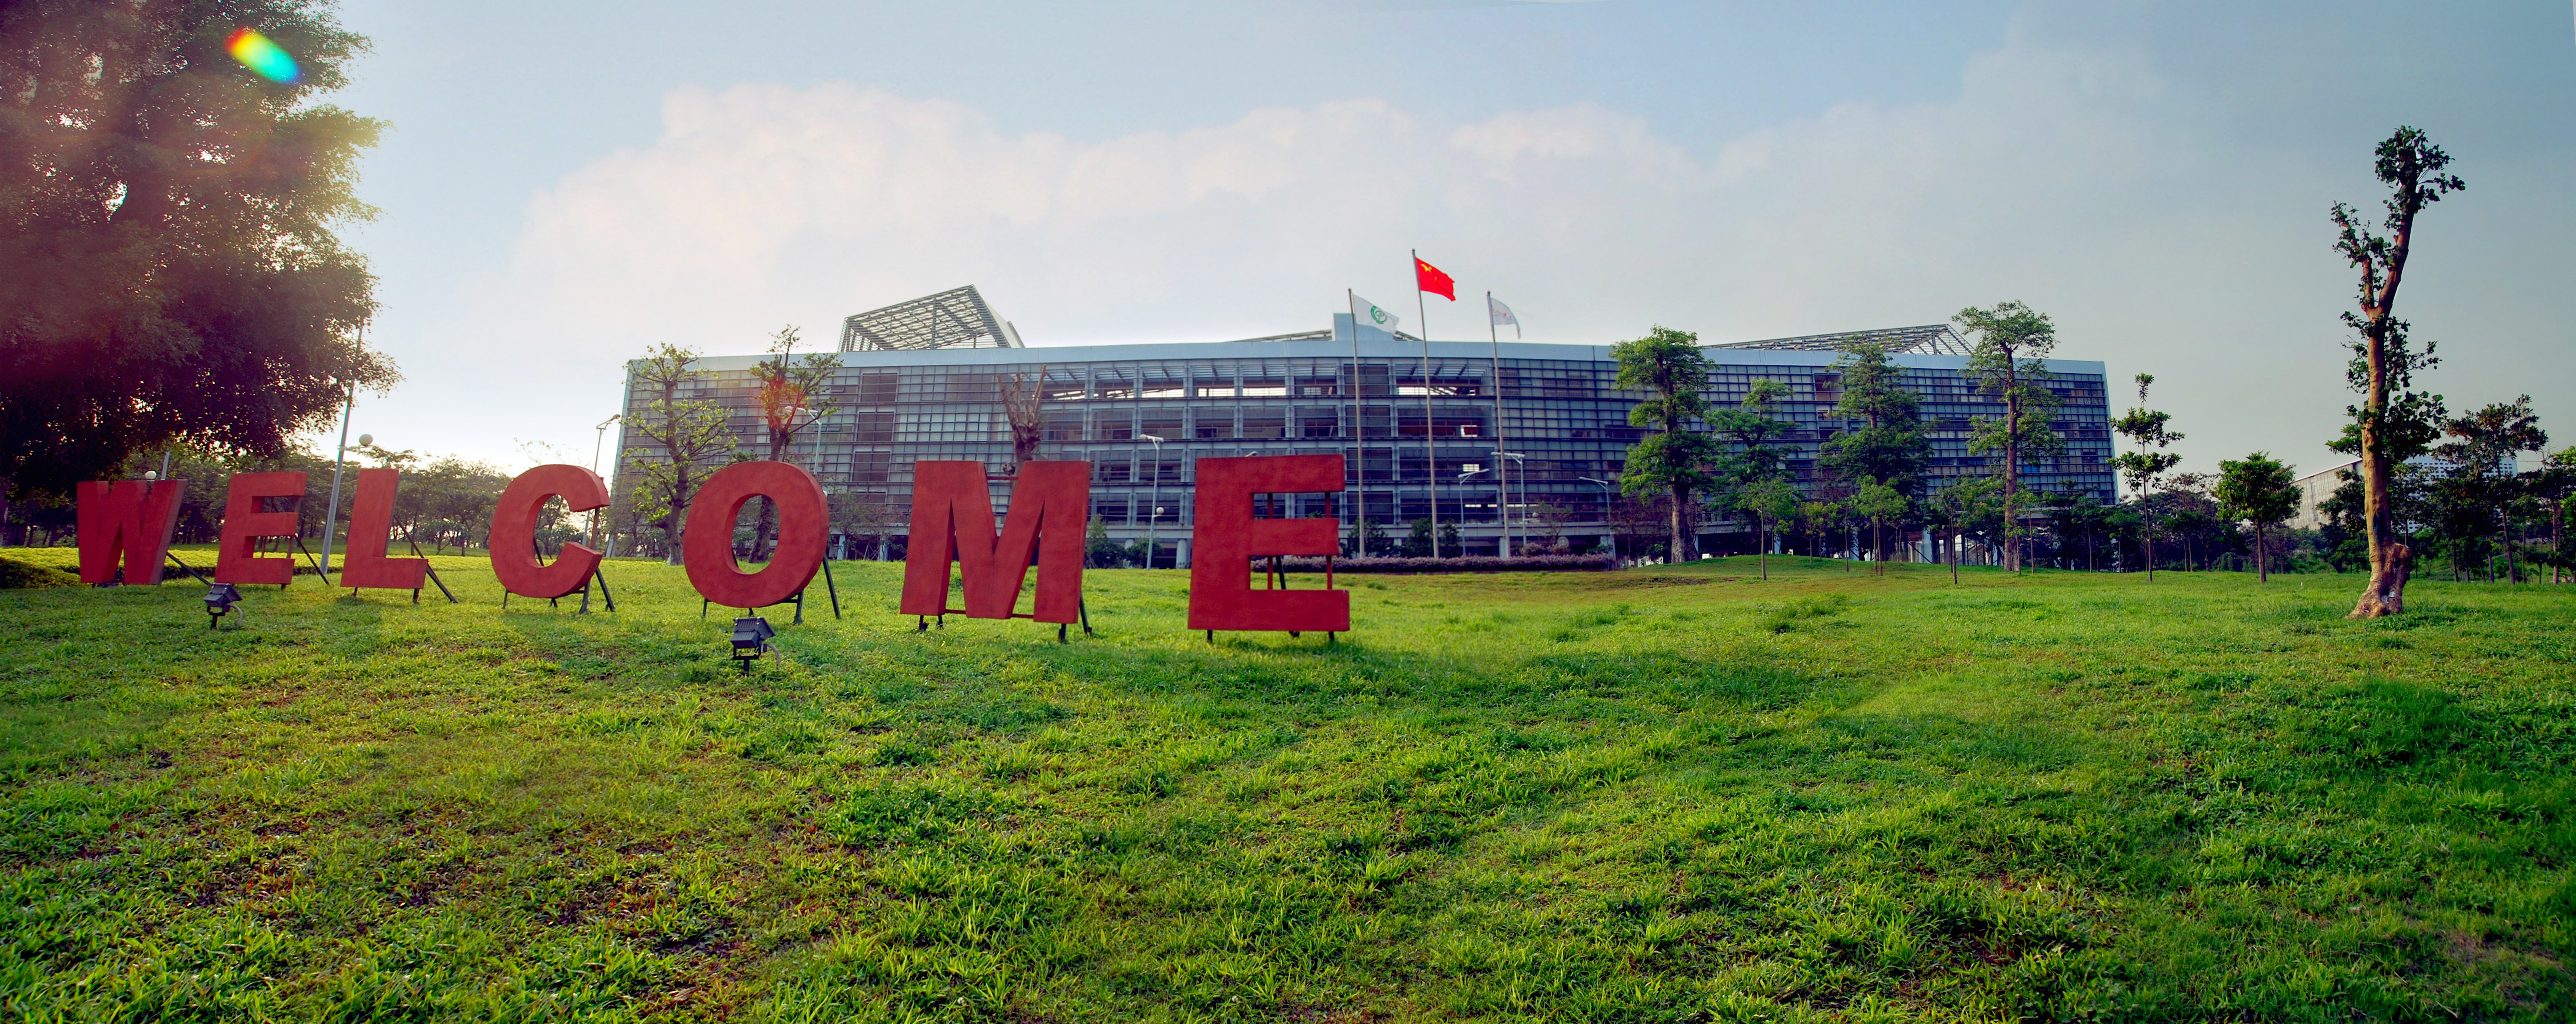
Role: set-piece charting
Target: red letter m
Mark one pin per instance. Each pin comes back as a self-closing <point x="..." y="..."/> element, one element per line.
<point x="952" y="518"/>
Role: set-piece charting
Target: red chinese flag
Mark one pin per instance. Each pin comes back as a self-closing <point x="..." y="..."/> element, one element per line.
<point x="1430" y="279"/>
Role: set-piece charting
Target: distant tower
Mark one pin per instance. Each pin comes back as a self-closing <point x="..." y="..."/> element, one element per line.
<point x="956" y="318"/>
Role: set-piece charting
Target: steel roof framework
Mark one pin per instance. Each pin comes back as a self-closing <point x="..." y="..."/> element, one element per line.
<point x="956" y="318"/>
<point x="1928" y="339"/>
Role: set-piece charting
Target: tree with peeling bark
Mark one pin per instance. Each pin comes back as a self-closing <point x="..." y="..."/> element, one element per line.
<point x="2010" y="362"/>
<point x="2391" y="418"/>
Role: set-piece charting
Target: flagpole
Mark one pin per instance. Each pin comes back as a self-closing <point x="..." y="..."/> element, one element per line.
<point x="1430" y="434"/>
<point x="1502" y="485"/>
<point x="1359" y="467"/>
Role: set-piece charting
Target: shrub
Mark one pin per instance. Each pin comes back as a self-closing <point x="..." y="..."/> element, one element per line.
<point x="1539" y="563"/>
<point x="15" y="575"/>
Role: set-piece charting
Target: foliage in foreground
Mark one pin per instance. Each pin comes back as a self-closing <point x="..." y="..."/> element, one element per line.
<point x="1650" y="795"/>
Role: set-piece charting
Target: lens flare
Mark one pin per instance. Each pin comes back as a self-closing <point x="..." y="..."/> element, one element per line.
<point x="258" y="54"/>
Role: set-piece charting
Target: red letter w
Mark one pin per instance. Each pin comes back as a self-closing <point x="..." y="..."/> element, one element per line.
<point x="127" y="518"/>
<point x="952" y="518"/>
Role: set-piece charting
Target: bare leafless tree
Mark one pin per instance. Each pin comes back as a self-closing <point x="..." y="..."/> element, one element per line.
<point x="1023" y="396"/>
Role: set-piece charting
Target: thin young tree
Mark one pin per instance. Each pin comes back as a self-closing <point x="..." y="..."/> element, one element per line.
<point x="2261" y="491"/>
<point x="793" y="394"/>
<point x="1954" y="509"/>
<point x="2009" y="361"/>
<point x="691" y="433"/>
<point x="2393" y="422"/>
<point x="1879" y="503"/>
<point x="1750" y="427"/>
<point x="2146" y="462"/>
<point x="1770" y="501"/>
<point x="1669" y="366"/>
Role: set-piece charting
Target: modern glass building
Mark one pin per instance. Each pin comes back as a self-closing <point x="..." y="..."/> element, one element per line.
<point x="1423" y="427"/>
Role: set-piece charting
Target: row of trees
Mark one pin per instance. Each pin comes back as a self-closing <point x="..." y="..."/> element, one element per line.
<point x="2466" y="503"/>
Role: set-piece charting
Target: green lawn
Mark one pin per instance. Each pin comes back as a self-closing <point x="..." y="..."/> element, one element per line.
<point x="1667" y="794"/>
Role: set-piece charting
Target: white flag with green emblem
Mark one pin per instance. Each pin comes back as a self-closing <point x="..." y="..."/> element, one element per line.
<point x="1365" y="312"/>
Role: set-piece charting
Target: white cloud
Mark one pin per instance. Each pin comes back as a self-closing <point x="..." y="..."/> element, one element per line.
<point x="2053" y="178"/>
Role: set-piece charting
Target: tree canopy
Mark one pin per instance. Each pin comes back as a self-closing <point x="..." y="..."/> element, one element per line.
<point x="1669" y="366"/>
<point x="2262" y="491"/>
<point x="2009" y="360"/>
<point x="167" y="217"/>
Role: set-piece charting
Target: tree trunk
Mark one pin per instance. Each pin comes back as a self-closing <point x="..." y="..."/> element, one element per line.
<point x="2012" y="466"/>
<point x="1954" y="558"/>
<point x="2262" y="569"/>
<point x="2507" y="516"/>
<point x="1764" y="551"/>
<point x="1680" y="551"/>
<point x="2390" y="561"/>
<point x="2147" y="536"/>
<point x="4" y="511"/>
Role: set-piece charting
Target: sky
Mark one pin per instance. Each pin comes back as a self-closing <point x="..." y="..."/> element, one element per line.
<point x="563" y="185"/>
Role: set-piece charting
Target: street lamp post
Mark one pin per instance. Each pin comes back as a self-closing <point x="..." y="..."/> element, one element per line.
<point x="1468" y="470"/>
<point x="331" y="513"/>
<point x="1605" y="511"/>
<point x="1154" y="510"/>
<point x="597" y="441"/>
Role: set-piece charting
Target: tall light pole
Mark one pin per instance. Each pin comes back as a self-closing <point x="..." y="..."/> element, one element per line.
<point x="597" y="441"/>
<point x="1468" y="470"/>
<point x="1605" y="512"/>
<point x="1154" y="508"/>
<point x="331" y="514"/>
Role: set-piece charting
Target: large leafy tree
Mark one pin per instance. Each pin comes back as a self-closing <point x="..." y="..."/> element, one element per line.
<point x="1669" y="366"/>
<point x="2010" y="362"/>
<point x="167" y="223"/>
<point x="2393" y="421"/>
<point x="2262" y="491"/>
<point x="1751" y="426"/>
<point x="1891" y="448"/>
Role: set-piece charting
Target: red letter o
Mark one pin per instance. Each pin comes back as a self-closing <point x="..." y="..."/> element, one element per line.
<point x="804" y="527"/>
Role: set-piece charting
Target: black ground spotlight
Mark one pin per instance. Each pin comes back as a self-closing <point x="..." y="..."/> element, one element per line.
<point x="751" y="635"/>
<point x="219" y="599"/>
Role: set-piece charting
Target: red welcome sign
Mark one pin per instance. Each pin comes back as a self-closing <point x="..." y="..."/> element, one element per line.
<point x="130" y="523"/>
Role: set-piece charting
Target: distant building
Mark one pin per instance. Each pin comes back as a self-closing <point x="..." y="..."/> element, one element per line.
<point x="2314" y="489"/>
<point x="921" y="380"/>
